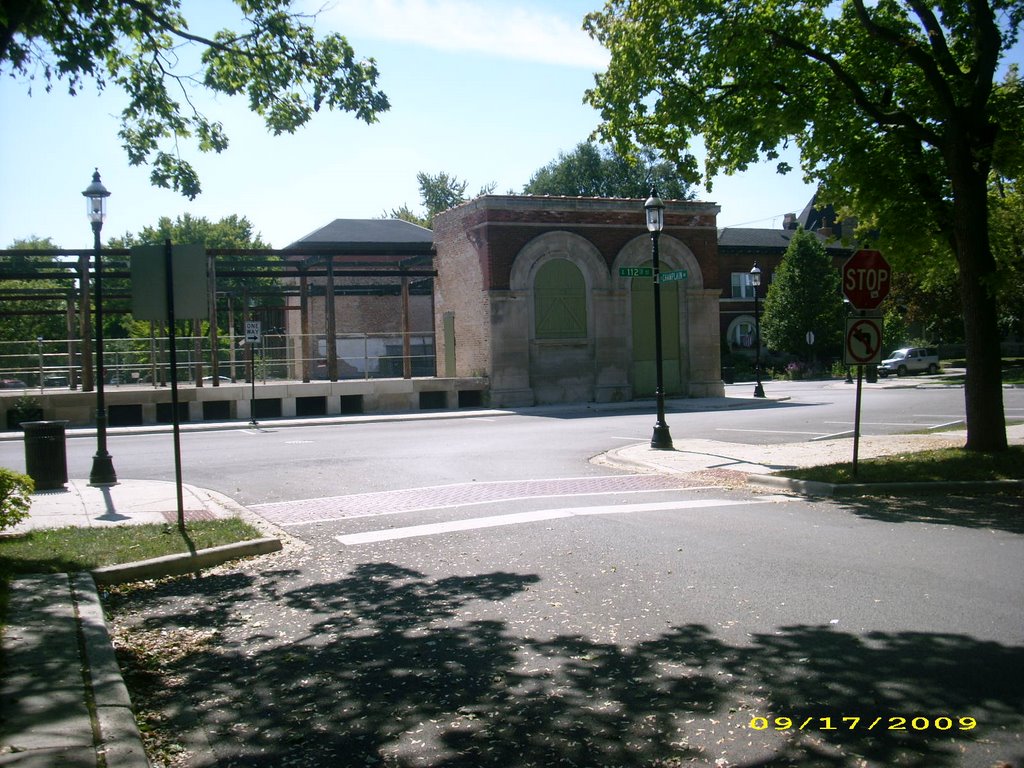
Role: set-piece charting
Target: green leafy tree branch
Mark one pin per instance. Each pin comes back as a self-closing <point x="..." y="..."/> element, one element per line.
<point x="139" y="46"/>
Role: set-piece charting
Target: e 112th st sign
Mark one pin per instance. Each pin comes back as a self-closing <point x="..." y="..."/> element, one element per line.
<point x="636" y="271"/>
<point x="866" y="279"/>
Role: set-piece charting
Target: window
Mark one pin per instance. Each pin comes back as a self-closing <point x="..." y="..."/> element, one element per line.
<point x="741" y="334"/>
<point x="741" y="287"/>
<point x="560" y="301"/>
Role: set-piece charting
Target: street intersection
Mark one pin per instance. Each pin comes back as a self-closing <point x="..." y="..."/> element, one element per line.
<point x="497" y="591"/>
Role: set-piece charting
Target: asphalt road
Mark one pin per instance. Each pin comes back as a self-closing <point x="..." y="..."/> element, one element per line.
<point x="273" y="463"/>
<point x="472" y="592"/>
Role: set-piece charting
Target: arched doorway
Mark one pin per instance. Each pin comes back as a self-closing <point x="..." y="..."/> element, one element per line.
<point x="644" y="365"/>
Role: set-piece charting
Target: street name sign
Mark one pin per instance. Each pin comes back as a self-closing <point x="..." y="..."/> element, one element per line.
<point x="866" y="279"/>
<point x="669" y="277"/>
<point x="636" y="271"/>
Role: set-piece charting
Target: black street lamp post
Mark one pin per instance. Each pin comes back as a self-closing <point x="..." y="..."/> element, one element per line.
<point x="655" y="210"/>
<point x="102" y="465"/>
<point x="755" y="283"/>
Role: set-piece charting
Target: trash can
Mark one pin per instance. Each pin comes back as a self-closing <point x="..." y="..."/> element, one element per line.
<point x="46" y="454"/>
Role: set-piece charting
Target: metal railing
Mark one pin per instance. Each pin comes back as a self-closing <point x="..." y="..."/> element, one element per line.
<point x="44" y="364"/>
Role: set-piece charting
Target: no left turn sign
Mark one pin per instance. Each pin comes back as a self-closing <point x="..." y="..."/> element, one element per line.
<point x="863" y="341"/>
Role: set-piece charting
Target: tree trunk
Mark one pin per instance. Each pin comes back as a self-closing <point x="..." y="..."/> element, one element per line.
<point x="983" y="391"/>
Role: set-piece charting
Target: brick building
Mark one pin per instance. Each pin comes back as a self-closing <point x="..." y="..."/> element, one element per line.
<point x="739" y="248"/>
<point x="529" y="295"/>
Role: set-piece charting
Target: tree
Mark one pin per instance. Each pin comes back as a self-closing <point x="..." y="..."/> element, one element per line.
<point x="405" y="213"/>
<point x="276" y="60"/>
<point x="1007" y="217"/>
<point x="893" y="106"/>
<point x="28" y="317"/>
<point x="438" y="193"/>
<point x="229" y="232"/>
<point x="593" y="171"/>
<point x="804" y="295"/>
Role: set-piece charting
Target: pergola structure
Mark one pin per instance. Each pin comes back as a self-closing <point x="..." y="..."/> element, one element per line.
<point x="302" y="271"/>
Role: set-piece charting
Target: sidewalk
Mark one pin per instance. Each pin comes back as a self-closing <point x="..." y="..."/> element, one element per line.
<point x="755" y="463"/>
<point x="62" y="698"/>
<point x="130" y="502"/>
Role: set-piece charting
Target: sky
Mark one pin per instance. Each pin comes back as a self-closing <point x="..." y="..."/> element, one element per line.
<point x="488" y="91"/>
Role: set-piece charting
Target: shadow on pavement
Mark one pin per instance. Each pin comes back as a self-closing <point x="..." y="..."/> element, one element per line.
<point x="1000" y="511"/>
<point x="672" y="406"/>
<point x="388" y="667"/>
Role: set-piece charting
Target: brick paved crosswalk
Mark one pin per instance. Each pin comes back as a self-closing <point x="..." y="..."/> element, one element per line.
<point x="437" y="497"/>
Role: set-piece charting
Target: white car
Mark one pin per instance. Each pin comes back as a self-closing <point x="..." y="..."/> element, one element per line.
<point x="910" y="360"/>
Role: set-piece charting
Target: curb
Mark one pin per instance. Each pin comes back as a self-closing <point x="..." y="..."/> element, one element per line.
<point x="186" y="562"/>
<point x="118" y="739"/>
<point x="815" y="488"/>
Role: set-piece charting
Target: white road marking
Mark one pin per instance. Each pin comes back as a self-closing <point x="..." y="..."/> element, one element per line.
<point x="833" y="436"/>
<point x="919" y="424"/>
<point x="481" y="502"/>
<point x="768" y="431"/>
<point x="519" y="518"/>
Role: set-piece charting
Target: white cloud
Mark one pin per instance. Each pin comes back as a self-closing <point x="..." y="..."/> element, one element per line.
<point x="502" y="29"/>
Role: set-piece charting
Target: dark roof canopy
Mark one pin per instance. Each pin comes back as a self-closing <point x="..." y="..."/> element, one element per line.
<point x="369" y="236"/>
<point x="768" y="239"/>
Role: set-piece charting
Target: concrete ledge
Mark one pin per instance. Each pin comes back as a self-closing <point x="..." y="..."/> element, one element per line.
<point x="814" y="488"/>
<point x="185" y="562"/>
<point x="119" y="739"/>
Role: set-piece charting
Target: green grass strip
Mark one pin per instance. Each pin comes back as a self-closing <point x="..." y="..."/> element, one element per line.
<point x="946" y="464"/>
<point x="60" y="550"/>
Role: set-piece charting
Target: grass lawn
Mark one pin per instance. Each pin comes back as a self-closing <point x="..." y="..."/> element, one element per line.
<point x="61" y="550"/>
<point x="921" y="466"/>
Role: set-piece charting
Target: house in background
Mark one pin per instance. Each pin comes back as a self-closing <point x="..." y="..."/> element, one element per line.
<point x="739" y="248"/>
<point x="529" y="294"/>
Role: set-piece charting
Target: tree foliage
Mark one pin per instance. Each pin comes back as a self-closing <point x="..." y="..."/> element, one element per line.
<point x="229" y="232"/>
<point x="25" y="319"/>
<point x="1007" y="225"/>
<point x="438" y="193"/>
<point x="804" y="295"/>
<point x="594" y="171"/>
<point x="276" y="60"/>
<point x="15" y="497"/>
<point x="894" y="107"/>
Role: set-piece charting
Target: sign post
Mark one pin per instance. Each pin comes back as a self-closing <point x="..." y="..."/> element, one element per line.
<point x="866" y="277"/>
<point x="253" y="334"/>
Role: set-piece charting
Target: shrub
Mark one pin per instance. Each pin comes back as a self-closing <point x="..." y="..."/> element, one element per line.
<point x="15" y="490"/>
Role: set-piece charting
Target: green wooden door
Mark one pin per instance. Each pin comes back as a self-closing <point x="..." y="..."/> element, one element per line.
<point x="644" y="367"/>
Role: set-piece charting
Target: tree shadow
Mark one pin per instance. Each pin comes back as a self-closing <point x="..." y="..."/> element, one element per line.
<point x="389" y="667"/>
<point x="1001" y="511"/>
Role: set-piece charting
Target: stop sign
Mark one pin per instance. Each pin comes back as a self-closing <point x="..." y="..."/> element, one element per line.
<point x="866" y="279"/>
